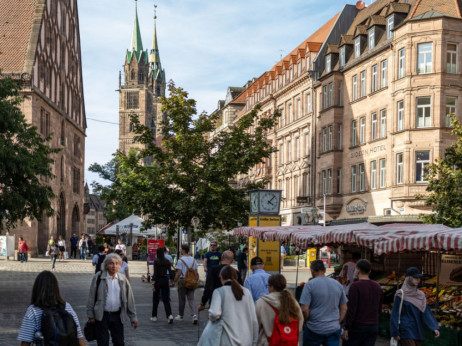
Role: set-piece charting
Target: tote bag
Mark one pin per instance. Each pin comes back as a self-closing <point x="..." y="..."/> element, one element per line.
<point x="213" y="330"/>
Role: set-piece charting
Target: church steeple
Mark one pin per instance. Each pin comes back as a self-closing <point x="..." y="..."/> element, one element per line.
<point x="156" y="72"/>
<point x="136" y="45"/>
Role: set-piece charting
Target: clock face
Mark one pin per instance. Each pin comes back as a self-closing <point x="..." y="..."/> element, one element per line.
<point x="269" y="202"/>
<point x="253" y="202"/>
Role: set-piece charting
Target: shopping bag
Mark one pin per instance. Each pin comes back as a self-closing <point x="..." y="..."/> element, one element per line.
<point x="66" y="255"/>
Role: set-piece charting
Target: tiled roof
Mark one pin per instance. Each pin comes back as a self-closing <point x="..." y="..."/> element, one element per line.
<point x="445" y="7"/>
<point x="96" y="203"/>
<point x="360" y="30"/>
<point x="16" y="22"/>
<point x="240" y="99"/>
<point x="398" y="7"/>
<point x="431" y="14"/>
<point x="346" y="39"/>
<point x="377" y="20"/>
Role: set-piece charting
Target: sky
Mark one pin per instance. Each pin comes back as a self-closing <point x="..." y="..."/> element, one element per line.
<point x="205" y="47"/>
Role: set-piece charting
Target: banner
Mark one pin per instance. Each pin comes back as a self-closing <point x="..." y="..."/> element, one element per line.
<point x="153" y="245"/>
<point x="451" y="270"/>
<point x="269" y="251"/>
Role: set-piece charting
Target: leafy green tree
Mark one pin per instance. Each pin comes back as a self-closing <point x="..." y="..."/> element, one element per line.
<point x="189" y="174"/>
<point x="24" y="157"/>
<point x="445" y="184"/>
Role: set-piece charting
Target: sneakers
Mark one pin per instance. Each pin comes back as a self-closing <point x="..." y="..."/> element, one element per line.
<point x="170" y="319"/>
<point x="194" y="321"/>
<point x="154" y="319"/>
<point x="179" y="318"/>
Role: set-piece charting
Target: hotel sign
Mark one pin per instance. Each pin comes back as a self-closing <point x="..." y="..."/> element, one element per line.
<point x="356" y="206"/>
<point x="367" y="151"/>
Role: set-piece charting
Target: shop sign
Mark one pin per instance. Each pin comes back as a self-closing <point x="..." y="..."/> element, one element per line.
<point x="451" y="270"/>
<point x="356" y="206"/>
<point x="303" y="199"/>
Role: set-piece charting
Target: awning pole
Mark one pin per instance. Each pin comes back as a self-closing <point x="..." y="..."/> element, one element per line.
<point x="296" y="276"/>
<point x="438" y="269"/>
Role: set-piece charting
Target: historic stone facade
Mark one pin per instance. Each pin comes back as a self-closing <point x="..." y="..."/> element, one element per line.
<point x="41" y="46"/>
<point x="94" y="218"/>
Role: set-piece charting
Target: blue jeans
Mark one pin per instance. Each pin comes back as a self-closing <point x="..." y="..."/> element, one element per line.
<point x="313" y="339"/>
<point x="243" y="273"/>
<point x="23" y="256"/>
<point x="83" y="252"/>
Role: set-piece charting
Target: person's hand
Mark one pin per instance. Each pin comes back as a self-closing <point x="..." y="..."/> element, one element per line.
<point x="201" y="307"/>
<point x="92" y="320"/>
<point x="397" y="338"/>
<point x="345" y="335"/>
<point x="153" y="287"/>
<point x="135" y="324"/>
<point x="437" y="333"/>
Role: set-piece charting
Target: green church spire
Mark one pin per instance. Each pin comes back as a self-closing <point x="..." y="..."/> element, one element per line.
<point x="154" y="58"/>
<point x="136" y="46"/>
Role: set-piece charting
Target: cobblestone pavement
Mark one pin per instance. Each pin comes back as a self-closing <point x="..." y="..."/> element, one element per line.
<point x="74" y="278"/>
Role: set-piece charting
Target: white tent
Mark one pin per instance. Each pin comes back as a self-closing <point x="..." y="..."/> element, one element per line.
<point x="137" y="229"/>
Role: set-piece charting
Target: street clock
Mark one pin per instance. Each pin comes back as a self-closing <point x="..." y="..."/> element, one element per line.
<point x="265" y="202"/>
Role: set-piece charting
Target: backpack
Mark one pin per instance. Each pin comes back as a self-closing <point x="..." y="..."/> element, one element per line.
<point x="101" y="258"/>
<point x="58" y="327"/>
<point x="283" y="334"/>
<point x="190" y="278"/>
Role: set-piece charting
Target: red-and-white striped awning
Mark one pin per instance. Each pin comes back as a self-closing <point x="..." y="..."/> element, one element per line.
<point x="450" y="240"/>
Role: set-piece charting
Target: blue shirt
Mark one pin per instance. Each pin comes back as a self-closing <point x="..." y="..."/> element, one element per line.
<point x="74" y="241"/>
<point x="323" y="296"/>
<point x="257" y="284"/>
<point x="411" y="326"/>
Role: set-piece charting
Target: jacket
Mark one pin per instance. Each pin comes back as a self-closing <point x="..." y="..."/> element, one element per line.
<point x="96" y="309"/>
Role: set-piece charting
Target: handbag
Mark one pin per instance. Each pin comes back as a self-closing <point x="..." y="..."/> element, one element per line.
<point x="211" y="335"/>
<point x="393" y="341"/>
<point x="90" y="327"/>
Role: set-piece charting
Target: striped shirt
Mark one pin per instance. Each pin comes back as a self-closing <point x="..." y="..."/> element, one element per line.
<point x="33" y="320"/>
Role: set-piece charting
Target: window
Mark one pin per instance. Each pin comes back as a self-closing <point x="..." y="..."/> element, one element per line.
<point x="291" y="113"/>
<point x="331" y="94"/>
<point x="382" y="173"/>
<point x="329" y="181"/>
<point x="383" y="123"/>
<point x="401" y="62"/>
<point x="422" y="159"/>
<point x="362" y="177"/>
<point x="390" y="26"/>
<point x="328" y="67"/>
<point x="62" y="140"/>
<point x="339" y="180"/>
<point x="383" y="74"/>
<point x="399" y="168"/>
<point x="291" y="75"/>
<point x="308" y="103"/>
<point x="45" y="128"/>
<point x="374" y="126"/>
<point x="357" y="47"/>
<point x="299" y="109"/>
<point x="342" y="56"/>
<point x="297" y="148"/>
<point x="362" y="130"/>
<point x="330" y="139"/>
<point x="374" y="78"/>
<point x="277" y="83"/>
<point x="353" y="178"/>
<point x="423" y="112"/>
<point x="451" y="57"/>
<point x="400" y="124"/>
<point x="76" y="146"/>
<point x="307" y="144"/>
<point x="324" y="97"/>
<point x="284" y="79"/>
<point x="324" y="183"/>
<point x="339" y="137"/>
<point x="425" y="57"/>
<point x="355" y="87"/>
<point x="450" y="108"/>
<point x="289" y="151"/>
<point x="373" y="175"/>
<point x="132" y="100"/>
<point x="340" y="93"/>
<point x="308" y="63"/>
<point x="281" y="153"/>
<point x="283" y="119"/>
<point x="372" y="38"/>
<point x="299" y="69"/>
<point x="354" y="135"/>
<point x="324" y="140"/>
<point x="76" y="180"/>
<point x="363" y="84"/>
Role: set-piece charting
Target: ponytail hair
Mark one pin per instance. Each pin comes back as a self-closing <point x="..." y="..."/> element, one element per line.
<point x="229" y="273"/>
<point x="288" y="306"/>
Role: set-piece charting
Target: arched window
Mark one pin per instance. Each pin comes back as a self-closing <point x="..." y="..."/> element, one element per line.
<point x="133" y="75"/>
<point x="62" y="132"/>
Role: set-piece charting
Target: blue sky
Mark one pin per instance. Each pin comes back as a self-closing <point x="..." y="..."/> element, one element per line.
<point x="205" y="46"/>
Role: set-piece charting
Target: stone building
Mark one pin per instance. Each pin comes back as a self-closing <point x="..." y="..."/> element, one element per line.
<point x="94" y="218"/>
<point x="143" y="84"/>
<point x="40" y="45"/>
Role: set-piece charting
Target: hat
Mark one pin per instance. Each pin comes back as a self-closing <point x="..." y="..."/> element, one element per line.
<point x="256" y="261"/>
<point x="414" y="272"/>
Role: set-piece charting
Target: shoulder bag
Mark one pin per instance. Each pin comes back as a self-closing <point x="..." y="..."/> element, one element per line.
<point x="393" y="341"/>
<point x="211" y="335"/>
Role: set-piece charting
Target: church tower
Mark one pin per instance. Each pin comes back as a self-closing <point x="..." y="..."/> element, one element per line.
<point x="140" y="90"/>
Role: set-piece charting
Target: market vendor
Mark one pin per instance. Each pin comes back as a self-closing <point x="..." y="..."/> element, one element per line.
<point x="408" y="326"/>
<point x="351" y="266"/>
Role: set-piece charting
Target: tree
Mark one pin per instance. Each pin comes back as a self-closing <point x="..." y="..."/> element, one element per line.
<point x="189" y="174"/>
<point x="445" y="184"/>
<point x="24" y="157"/>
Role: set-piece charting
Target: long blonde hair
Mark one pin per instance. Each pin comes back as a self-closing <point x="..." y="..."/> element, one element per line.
<point x="288" y="306"/>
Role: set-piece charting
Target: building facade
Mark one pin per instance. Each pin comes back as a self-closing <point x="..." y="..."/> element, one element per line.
<point x="40" y="46"/>
<point x="94" y="216"/>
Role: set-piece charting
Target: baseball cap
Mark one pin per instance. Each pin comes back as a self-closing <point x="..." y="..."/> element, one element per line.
<point x="256" y="261"/>
<point x="414" y="272"/>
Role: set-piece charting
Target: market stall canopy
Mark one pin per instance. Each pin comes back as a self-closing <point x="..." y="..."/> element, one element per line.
<point x="137" y="230"/>
<point x="450" y="240"/>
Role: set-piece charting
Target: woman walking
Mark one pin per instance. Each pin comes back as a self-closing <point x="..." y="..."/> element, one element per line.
<point x="22" y="249"/>
<point x="52" y="251"/>
<point x="61" y="247"/>
<point x="45" y="294"/>
<point x="283" y="302"/>
<point x="406" y="325"/>
<point x="83" y="247"/>
<point x="160" y="284"/>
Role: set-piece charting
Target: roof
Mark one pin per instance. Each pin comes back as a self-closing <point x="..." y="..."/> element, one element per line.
<point x="431" y="14"/>
<point x="240" y="99"/>
<point x="96" y="203"/>
<point x="16" y="24"/>
<point x="451" y="8"/>
<point x="377" y="20"/>
<point x="236" y="91"/>
<point x="332" y="48"/>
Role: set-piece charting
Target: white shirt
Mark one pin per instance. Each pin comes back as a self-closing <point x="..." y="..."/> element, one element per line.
<point x="121" y="247"/>
<point x="123" y="268"/>
<point x="113" y="294"/>
<point x="190" y="262"/>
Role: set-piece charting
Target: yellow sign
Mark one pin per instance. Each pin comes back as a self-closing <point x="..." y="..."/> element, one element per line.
<point x="253" y="221"/>
<point x="269" y="251"/>
<point x="265" y="221"/>
<point x="310" y="256"/>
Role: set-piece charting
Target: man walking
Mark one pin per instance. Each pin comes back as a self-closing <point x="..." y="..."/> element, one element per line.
<point x="74" y="241"/>
<point x="324" y="306"/>
<point x="351" y="265"/>
<point x="184" y="263"/>
<point x="364" y="305"/>
<point x="212" y="258"/>
<point x="242" y="263"/>
<point x="257" y="283"/>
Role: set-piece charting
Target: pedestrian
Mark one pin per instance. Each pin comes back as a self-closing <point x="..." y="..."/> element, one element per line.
<point x="124" y="265"/>
<point x="257" y="283"/>
<point x="111" y="303"/>
<point x="351" y="265"/>
<point x="186" y="262"/>
<point x="61" y="247"/>
<point x="283" y="302"/>
<point x="212" y="258"/>
<point x="74" y="242"/>
<point x="364" y="306"/>
<point x="324" y="304"/>
<point x="22" y="249"/>
<point x="283" y="255"/>
<point x="213" y="279"/>
<point x="98" y="259"/>
<point x="232" y="304"/>
<point x="89" y="245"/>
<point x="410" y="312"/>
<point x="83" y="247"/>
<point x="45" y="294"/>
<point x="121" y="246"/>
<point x="170" y="259"/>
<point x="106" y="248"/>
<point x="52" y="251"/>
<point x="160" y="282"/>
<point x="242" y="263"/>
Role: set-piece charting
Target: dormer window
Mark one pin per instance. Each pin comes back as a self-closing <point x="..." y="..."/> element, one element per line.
<point x="328" y="64"/>
<point x="342" y="56"/>
<point x="284" y="79"/>
<point x="291" y="75"/>
<point x="357" y="47"/>
<point x="390" y="26"/>
<point x="299" y="69"/>
<point x="372" y="38"/>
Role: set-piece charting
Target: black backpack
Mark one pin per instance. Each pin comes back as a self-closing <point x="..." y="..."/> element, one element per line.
<point x="58" y="327"/>
<point x="101" y="258"/>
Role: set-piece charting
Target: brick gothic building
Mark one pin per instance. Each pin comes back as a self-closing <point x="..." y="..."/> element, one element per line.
<point x="143" y="84"/>
<point x="40" y="45"/>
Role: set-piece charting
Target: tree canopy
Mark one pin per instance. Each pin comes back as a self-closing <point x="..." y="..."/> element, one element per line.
<point x="24" y="158"/>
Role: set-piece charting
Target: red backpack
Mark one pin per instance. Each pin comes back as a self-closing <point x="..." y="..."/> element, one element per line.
<point x="283" y="334"/>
